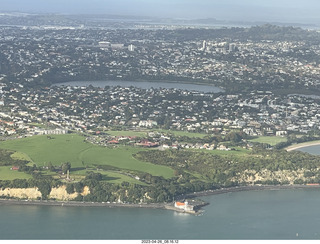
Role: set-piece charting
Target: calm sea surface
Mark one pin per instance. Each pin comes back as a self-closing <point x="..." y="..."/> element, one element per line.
<point x="275" y="214"/>
<point x="278" y="214"/>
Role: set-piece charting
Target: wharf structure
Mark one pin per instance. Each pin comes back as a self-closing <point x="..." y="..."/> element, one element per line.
<point x="186" y="207"/>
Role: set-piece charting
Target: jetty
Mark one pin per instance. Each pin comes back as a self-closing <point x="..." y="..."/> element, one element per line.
<point x="190" y="207"/>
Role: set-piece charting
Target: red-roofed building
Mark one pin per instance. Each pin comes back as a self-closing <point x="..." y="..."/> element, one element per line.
<point x="15" y="168"/>
<point x="113" y="142"/>
<point x="183" y="205"/>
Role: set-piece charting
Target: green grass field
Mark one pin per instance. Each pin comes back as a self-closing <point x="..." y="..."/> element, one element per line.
<point x="239" y="151"/>
<point x="183" y="133"/>
<point x="126" y="133"/>
<point x="7" y="174"/>
<point x="272" y="140"/>
<point x="72" y="148"/>
<point x="109" y="176"/>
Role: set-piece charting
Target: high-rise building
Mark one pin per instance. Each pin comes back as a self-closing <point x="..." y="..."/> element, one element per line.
<point x="204" y="45"/>
<point x="131" y="48"/>
<point x="104" y="44"/>
<point x="232" y="47"/>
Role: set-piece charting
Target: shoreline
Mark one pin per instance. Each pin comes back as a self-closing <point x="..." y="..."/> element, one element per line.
<point x="249" y="188"/>
<point x="79" y="204"/>
<point x="302" y="145"/>
<point x="166" y="206"/>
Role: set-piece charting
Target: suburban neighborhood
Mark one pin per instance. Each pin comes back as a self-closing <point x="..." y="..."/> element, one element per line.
<point x="94" y="111"/>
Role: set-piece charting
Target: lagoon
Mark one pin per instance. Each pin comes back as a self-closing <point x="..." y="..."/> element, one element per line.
<point x="146" y="85"/>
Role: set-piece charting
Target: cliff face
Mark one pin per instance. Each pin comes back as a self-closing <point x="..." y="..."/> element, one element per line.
<point x="29" y="193"/>
<point x="252" y="176"/>
<point x="59" y="193"/>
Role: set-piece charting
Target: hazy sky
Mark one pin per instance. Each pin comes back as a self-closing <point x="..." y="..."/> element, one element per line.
<point x="256" y="10"/>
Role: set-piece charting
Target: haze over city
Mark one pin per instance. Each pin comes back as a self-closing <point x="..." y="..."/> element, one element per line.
<point x="287" y="11"/>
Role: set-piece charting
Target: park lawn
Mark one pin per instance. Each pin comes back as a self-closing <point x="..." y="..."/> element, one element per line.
<point x="59" y="149"/>
<point x="108" y="176"/>
<point x="239" y="151"/>
<point x="143" y="134"/>
<point x="126" y="133"/>
<point x="272" y="140"/>
<point x="122" y="158"/>
<point x="183" y="133"/>
<point x="7" y="174"/>
<point x="72" y="148"/>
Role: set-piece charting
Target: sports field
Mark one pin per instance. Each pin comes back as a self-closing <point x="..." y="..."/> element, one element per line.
<point x="182" y="133"/>
<point x="126" y="133"/>
<point x="272" y="140"/>
<point x="73" y="148"/>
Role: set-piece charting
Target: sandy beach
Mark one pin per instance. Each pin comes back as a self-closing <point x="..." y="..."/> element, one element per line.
<point x="301" y="145"/>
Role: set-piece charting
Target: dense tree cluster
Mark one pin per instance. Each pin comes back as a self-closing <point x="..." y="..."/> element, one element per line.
<point x="222" y="170"/>
<point x="6" y="159"/>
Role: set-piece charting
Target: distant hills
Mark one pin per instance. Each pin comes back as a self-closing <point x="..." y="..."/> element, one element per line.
<point x="30" y="19"/>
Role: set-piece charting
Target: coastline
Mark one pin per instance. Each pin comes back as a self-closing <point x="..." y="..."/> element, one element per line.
<point x="79" y="204"/>
<point x="302" y="145"/>
<point x="248" y="188"/>
<point x="166" y="206"/>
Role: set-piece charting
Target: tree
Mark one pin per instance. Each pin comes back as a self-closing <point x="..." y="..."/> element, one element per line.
<point x="94" y="176"/>
<point x="65" y="167"/>
<point x="234" y="137"/>
<point x="50" y="166"/>
<point x="44" y="187"/>
<point x="70" y="188"/>
<point x="78" y="186"/>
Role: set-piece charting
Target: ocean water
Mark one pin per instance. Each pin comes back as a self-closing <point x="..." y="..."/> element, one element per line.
<point x="291" y="214"/>
<point x="263" y="215"/>
<point x="311" y="149"/>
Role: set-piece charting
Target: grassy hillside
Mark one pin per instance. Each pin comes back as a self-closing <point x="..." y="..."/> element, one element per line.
<point x="7" y="174"/>
<point x="73" y="148"/>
